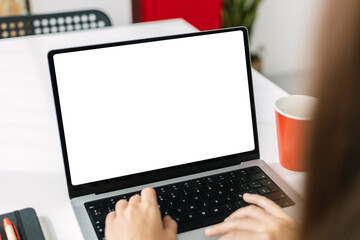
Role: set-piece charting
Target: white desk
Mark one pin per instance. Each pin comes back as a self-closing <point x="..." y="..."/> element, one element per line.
<point x="31" y="165"/>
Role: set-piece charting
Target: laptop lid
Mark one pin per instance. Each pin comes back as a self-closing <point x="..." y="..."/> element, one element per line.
<point x="136" y="112"/>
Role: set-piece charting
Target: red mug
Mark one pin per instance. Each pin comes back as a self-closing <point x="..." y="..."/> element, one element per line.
<point x="293" y="117"/>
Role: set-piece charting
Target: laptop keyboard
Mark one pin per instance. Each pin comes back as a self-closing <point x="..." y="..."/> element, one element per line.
<point x="199" y="202"/>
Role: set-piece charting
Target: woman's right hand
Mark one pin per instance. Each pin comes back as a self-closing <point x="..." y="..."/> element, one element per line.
<point x="264" y="220"/>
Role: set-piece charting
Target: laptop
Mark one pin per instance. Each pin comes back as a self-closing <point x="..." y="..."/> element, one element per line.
<point x="175" y="113"/>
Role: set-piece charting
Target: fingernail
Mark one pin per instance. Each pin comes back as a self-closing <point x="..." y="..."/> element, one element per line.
<point x="208" y="230"/>
<point x="247" y="194"/>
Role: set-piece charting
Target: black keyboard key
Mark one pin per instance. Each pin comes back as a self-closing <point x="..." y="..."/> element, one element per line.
<point x="240" y="204"/>
<point x="238" y="181"/>
<point x="228" y="207"/>
<point x="230" y="182"/>
<point x="216" y="202"/>
<point x="161" y="190"/>
<point x="188" y="192"/>
<point x="210" y="180"/>
<point x="275" y="196"/>
<point x="197" y="198"/>
<point x="191" y="216"/>
<point x="255" y="184"/>
<point x="209" y="188"/>
<point x="216" y="210"/>
<point x="199" y="190"/>
<point x="97" y="212"/>
<point x="220" y="177"/>
<point x="169" y="204"/>
<point x="186" y="185"/>
<point x="204" y="204"/>
<point x="174" y="196"/>
<point x="179" y="219"/>
<point x="191" y="208"/>
<point x="97" y="222"/>
<point x="110" y="209"/>
<point x="229" y="198"/>
<point x="209" y="195"/>
<point x="164" y="213"/>
<point x="252" y="170"/>
<point x="270" y="184"/>
<point x="252" y="191"/>
<point x="100" y="229"/>
<point x="95" y="205"/>
<point x="90" y="208"/>
<point x="199" y="182"/>
<point x="161" y="197"/>
<point x="233" y="189"/>
<point x="220" y="185"/>
<point x="286" y="202"/>
<point x="230" y="175"/>
<point x="245" y="179"/>
<point x="184" y="200"/>
<point x="257" y="176"/>
<point x="112" y="201"/>
<point x="264" y="190"/>
<point x="179" y="210"/>
<point x="204" y="213"/>
<point x="245" y="187"/>
<point x="239" y="196"/>
<point x="220" y="193"/>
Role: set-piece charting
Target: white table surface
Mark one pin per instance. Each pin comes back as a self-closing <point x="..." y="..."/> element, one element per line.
<point x="31" y="166"/>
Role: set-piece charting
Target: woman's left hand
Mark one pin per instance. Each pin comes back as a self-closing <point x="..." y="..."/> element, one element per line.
<point x="139" y="219"/>
<point x="264" y="220"/>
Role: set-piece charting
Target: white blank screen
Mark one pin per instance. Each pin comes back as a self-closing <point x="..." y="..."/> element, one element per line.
<point x="140" y="107"/>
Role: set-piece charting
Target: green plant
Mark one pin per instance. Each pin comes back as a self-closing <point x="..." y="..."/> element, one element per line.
<point x="240" y="13"/>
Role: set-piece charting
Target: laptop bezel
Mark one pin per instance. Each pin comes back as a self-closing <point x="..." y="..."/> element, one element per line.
<point x="158" y="174"/>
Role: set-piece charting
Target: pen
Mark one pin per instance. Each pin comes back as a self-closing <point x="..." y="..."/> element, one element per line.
<point x="10" y="230"/>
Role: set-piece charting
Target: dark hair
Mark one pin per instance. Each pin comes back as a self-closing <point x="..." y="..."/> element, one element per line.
<point x="332" y="209"/>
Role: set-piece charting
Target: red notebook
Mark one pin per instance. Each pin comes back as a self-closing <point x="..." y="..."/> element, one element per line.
<point x="203" y="14"/>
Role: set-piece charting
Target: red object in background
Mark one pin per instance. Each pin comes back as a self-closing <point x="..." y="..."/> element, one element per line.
<point x="203" y="14"/>
<point x="291" y="141"/>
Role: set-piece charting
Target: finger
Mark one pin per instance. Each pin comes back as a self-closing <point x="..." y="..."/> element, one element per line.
<point x="170" y="224"/>
<point x="251" y="211"/>
<point x="109" y="221"/>
<point x="121" y="205"/>
<point x="135" y="199"/>
<point x="149" y="195"/>
<point x="237" y="224"/>
<point x="110" y="217"/>
<point x="265" y="203"/>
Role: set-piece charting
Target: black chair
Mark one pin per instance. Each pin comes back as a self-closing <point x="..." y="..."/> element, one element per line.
<point x="17" y="26"/>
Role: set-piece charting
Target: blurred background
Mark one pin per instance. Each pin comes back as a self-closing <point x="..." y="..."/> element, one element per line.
<point x="282" y="32"/>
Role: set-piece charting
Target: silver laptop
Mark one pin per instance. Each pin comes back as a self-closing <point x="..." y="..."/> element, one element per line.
<point x="176" y="113"/>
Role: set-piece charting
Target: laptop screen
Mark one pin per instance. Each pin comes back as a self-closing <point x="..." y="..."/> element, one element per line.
<point x="138" y="107"/>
